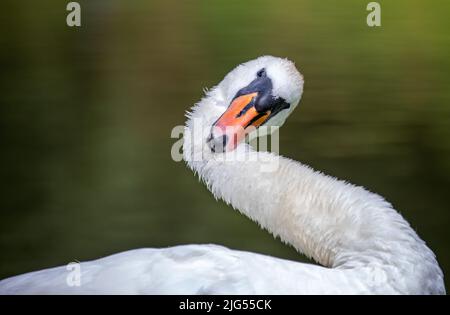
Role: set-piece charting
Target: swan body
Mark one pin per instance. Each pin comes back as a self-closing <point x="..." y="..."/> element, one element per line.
<point x="185" y="269"/>
<point x="362" y="244"/>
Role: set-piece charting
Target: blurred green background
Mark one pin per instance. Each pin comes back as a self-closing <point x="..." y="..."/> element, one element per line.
<point x="86" y="115"/>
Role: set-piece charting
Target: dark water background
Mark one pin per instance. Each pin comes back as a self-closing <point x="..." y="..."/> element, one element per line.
<point x="86" y="115"/>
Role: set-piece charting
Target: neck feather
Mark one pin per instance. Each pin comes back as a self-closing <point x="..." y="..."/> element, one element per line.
<point x="335" y="223"/>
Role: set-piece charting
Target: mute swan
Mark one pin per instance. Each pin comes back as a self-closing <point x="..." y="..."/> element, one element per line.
<point x="363" y="245"/>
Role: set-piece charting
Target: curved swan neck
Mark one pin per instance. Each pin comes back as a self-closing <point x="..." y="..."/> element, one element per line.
<point x="336" y="223"/>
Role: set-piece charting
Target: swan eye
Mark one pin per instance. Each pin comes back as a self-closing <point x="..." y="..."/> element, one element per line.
<point x="261" y="73"/>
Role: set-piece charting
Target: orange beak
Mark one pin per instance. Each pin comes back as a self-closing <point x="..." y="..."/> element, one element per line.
<point x="234" y="124"/>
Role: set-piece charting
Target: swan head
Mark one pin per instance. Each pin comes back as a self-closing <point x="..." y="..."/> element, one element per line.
<point x="260" y="92"/>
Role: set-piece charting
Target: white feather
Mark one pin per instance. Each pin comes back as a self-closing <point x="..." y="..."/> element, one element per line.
<point x="363" y="244"/>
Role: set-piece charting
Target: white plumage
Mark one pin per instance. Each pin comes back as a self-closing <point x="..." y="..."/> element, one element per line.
<point x="362" y="243"/>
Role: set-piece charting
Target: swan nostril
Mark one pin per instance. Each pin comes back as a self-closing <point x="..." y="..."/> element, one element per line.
<point x="217" y="144"/>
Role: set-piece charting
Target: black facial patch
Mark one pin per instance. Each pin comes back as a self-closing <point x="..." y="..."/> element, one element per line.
<point x="264" y="100"/>
<point x="261" y="73"/>
<point x="278" y="107"/>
